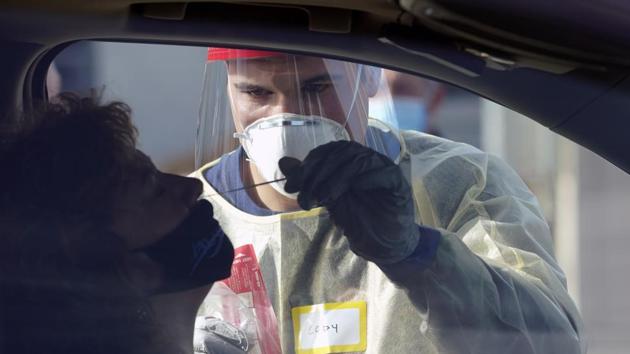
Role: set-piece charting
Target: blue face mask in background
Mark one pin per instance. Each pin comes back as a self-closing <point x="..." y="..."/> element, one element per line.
<point x="405" y="113"/>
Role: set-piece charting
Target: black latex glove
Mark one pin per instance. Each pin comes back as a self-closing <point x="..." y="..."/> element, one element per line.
<point x="195" y="254"/>
<point x="364" y="191"/>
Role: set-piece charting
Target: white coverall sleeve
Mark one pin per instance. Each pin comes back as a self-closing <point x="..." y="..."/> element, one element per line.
<point x="493" y="285"/>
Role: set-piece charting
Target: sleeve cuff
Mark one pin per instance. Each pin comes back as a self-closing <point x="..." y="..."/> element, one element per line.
<point x="421" y="258"/>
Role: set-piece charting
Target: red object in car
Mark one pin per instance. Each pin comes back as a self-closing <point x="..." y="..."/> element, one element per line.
<point x="215" y="53"/>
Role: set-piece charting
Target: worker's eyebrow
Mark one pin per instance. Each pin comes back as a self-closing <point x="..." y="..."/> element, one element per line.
<point x="245" y="86"/>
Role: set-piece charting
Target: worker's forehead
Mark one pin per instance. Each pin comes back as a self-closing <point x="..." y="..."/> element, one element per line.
<point x="285" y="65"/>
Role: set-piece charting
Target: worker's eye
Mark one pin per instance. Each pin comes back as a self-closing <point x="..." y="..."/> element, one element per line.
<point x="316" y="87"/>
<point x="257" y="92"/>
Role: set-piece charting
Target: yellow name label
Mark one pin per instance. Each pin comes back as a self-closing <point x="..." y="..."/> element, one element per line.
<point x="336" y="327"/>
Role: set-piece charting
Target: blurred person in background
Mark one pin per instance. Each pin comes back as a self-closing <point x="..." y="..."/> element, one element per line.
<point x="101" y="252"/>
<point x="407" y="102"/>
<point x="353" y="237"/>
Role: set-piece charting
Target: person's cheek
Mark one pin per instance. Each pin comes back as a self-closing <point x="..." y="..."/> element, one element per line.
<point x="334" y="110"/>
<point x="168" y="216"/>
<point x="331" y="109"/>
<point x="154" y="221"/>
<point x="354" y="119"/>
<point x="137" y="229"/>
<point x="243" y="114"/>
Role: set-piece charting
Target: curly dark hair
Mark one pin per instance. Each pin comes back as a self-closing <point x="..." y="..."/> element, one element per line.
<point x="62" y="288"/>
<point x="70" y="156"/>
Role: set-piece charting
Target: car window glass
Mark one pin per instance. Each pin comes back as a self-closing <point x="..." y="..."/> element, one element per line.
<point x="583" y="198"/>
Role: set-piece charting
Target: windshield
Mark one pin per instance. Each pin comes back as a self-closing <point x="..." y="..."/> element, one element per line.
<point x="372" y="210"/>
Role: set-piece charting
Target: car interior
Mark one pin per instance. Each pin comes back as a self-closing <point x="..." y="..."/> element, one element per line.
<point x="565" y="66"/>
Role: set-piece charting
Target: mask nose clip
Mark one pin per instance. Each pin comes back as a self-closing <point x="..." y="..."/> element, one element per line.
<point x="243" y="136"/>
<point x="269" y="139"/>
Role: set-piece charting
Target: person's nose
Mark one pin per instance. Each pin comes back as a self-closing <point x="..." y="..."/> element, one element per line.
<point x="292" y="103"/>
<point x="185" y="189"/>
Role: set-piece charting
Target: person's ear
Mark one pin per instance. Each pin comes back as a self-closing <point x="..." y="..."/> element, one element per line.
<point x="372" y="76"/>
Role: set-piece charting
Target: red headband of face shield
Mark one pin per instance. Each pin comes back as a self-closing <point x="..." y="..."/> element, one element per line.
<point x="217" y="54"/>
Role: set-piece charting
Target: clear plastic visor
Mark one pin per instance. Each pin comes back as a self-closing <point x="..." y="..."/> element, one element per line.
<point x="239" y="92"/>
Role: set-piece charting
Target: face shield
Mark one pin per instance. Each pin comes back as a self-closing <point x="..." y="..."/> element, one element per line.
<point x="267" y="105"/>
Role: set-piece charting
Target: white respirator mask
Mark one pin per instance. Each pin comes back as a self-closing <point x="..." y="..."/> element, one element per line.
<point x="269" y="139"/>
